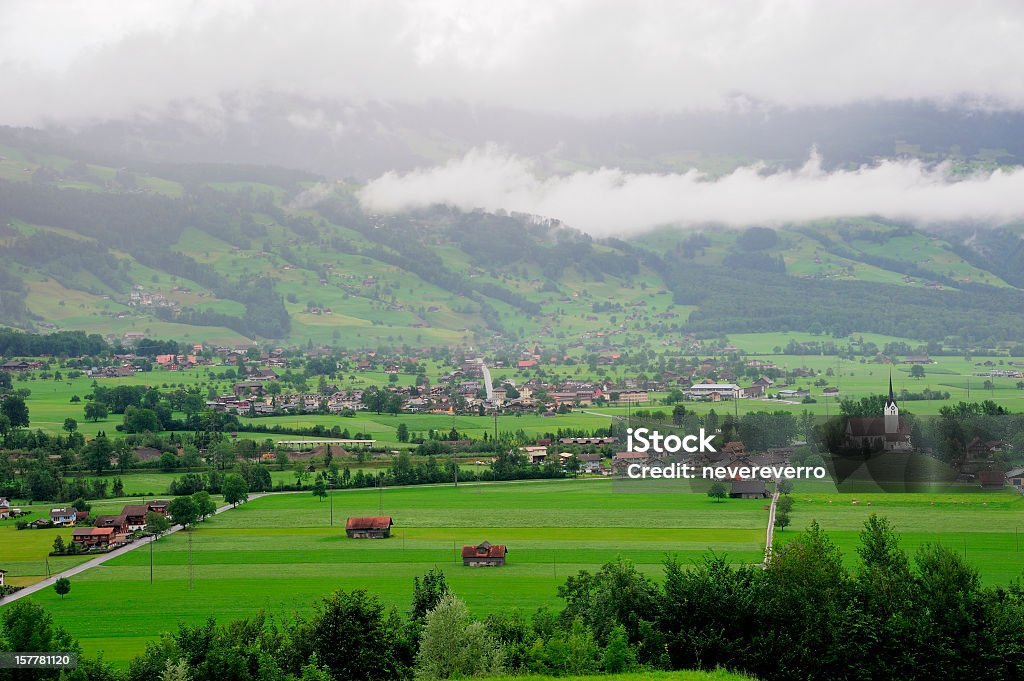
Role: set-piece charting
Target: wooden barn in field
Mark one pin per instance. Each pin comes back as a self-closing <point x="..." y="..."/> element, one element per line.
<point x="369" y="527"/>
<point x="484" y="555"/>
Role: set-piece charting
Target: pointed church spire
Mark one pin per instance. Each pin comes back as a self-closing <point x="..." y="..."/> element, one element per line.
<point x="891" y="401"/>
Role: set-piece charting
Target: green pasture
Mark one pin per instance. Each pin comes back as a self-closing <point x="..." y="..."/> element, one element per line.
<point x="985" y="527"/>
<point x="281" y="552"/>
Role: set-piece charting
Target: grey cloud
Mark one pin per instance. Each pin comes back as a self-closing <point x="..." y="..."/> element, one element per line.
<point x="67" y="61"/>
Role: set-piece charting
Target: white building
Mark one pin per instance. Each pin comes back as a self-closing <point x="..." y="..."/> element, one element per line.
<point x="705" y="390"/>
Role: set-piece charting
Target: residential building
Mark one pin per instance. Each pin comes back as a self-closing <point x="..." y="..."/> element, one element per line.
<point x="93" y="537"/>
<point x="1016" y="478"/>
<point x="748" y="489"/>
<point x="63" y="516"/>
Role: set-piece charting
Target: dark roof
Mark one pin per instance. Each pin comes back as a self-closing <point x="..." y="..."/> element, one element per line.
<point x="135" y="509"/>
<point x="381" y="522"/>
<point x="108" y="520"/>
<point x="484" y="550"/>
<point x="873" y="426"/>
<point x="748" y="487"/>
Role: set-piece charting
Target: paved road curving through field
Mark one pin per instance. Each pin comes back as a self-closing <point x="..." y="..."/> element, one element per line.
<point x="99" y="560"/>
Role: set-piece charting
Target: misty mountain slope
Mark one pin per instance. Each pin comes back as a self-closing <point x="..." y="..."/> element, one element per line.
<point x="343" y="138"/>
<point x="235" y="253"/>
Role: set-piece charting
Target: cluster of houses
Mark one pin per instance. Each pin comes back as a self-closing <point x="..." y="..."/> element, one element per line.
<point x="484" y="554"/>
<point x="107" y="530"/>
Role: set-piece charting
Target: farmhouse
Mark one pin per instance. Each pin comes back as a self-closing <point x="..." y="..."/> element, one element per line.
<point x="133" y="516"/>
<point x="93" y="537"/>
<point x="158" y="506"/>
<point x="369" y="527"/>
<point x="484" y="555"/>
<point x="748" y="489"/>
<point x="590" y="463"/>
<point x="535" y="454"/>
<point x="1016" y="478"/>
<point x="622" y="460"/>
<point x="63" y="516"/>
<point x="5" y="508"/>
<point x="114" y="521"/>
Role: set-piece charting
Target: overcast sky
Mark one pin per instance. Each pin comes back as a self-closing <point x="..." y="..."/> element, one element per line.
<point x="71" y="60"/>
<point x="91" y="60"/>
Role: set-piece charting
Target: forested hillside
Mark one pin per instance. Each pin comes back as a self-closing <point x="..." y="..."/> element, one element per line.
<point x="232" y="254"/>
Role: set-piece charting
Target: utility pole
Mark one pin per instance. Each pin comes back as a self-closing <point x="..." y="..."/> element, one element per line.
<point x="455" y="446"/>
<point x="190" y="570"/>
<point x="330" y="497"/>
<point x="151" y="540"/>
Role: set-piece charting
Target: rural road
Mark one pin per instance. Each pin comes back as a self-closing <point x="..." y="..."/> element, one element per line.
<point x="99" y="560"/>
<point x="771" y="525"/>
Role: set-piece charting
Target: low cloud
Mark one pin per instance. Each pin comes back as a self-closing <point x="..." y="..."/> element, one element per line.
<point x="608" y="201"/>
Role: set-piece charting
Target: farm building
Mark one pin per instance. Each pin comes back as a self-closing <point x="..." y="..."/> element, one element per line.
<point x="992" y="480"/>
<point x="5" y="508"/>
<point x="2" y="573"/>
<point x="93" y="537"/>
<point x="1016" y="478"/>
<point x="370" y="527"/>
<point x="748" y="489"/>
<point x="484" y="555"/>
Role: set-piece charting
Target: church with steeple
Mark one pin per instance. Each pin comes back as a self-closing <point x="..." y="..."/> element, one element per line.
<point x="890" y="433"/>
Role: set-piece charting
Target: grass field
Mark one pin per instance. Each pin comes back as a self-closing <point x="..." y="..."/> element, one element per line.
<point x="281" y="552"/>
<point x="985" y="527"/>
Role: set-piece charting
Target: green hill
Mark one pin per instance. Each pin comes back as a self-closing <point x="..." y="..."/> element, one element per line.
<point x="231" y="254"/>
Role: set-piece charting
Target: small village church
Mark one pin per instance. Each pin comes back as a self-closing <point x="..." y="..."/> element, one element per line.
<point x="891" y="433"/>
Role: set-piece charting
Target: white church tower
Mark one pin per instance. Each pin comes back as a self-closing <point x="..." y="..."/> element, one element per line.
<point x="892" y="412"/>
